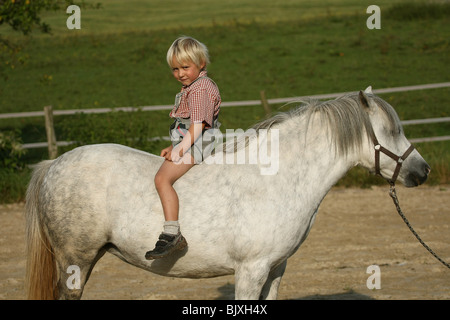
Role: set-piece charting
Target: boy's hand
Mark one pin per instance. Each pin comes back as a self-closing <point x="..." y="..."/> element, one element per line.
<point x="166" y="153"/>
<point x="172" y="154"/>
<point x="176" y="154"/>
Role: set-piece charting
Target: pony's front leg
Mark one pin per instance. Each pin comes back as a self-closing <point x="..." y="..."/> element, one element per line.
<point x="250" y="278"/>
<point x="270" y="288"/>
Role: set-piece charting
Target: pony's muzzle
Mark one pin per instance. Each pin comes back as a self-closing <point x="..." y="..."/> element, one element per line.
<point x="418" y="176"/>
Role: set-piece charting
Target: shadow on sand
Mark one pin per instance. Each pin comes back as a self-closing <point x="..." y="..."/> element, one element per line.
<point x="227" y="293"/>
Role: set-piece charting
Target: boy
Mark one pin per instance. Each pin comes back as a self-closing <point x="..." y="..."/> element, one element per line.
<point x="196" y="110"/>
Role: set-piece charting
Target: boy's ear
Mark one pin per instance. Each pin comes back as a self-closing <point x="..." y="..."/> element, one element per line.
<point x="203" y="65"/>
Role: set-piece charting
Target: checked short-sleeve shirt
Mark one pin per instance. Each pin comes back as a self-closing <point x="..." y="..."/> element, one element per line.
<point x="200" y="101"/>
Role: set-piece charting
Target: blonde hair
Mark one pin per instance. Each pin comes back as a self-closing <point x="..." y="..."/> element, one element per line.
<point x="186" y="49"/>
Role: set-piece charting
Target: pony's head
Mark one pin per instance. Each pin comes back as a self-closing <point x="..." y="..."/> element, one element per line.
<point x="391" y="155"/>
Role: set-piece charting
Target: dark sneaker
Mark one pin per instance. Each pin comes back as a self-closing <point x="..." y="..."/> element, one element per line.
<point x="165" y="245"/>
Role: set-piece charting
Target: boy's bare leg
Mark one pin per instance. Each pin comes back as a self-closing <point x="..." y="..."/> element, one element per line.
<point x="164" y="180"/>
<point x="170" y="240"/>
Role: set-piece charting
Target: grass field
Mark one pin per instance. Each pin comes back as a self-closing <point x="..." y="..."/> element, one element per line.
<point x="118" y="16"/>
<point x="288" y="48"/>
<point x="118" y="57"/>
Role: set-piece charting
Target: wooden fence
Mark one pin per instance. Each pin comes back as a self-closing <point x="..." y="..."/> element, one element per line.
<point x="52" y="144"/>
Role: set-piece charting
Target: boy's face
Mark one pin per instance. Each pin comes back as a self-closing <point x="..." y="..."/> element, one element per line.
<point x="185" y="72"/>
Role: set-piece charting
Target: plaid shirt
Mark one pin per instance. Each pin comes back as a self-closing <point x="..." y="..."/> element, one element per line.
<point x="200" y="101"/>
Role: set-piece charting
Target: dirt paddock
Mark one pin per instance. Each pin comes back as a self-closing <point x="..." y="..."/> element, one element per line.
<point x="355" y="228"/>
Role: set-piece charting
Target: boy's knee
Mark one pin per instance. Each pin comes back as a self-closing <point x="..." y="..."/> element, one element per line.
<point x="159" y="180"/>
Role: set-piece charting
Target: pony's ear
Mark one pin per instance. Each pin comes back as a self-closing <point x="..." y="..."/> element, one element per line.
<point x="366" y="101"/>
<point x="368" y="90"/>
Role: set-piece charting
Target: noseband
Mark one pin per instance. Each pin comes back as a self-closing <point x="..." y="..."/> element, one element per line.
<point x="399" y="159"/>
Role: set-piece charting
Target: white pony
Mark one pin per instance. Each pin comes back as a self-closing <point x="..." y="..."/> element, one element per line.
<point x="101" y="198"/>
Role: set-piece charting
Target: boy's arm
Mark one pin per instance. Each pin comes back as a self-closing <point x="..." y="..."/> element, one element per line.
<point x="195" y="130"/>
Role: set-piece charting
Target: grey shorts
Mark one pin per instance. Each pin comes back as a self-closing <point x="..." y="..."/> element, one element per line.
<point x="202" y="147"/>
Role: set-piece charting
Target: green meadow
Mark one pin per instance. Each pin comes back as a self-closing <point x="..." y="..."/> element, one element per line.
<point x="286" y="48"/>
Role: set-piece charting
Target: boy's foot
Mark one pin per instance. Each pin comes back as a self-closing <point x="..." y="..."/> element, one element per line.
<point x="166" y="244"/>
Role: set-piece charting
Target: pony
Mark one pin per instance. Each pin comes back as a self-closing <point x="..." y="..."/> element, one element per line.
<point x="101" y="198"/>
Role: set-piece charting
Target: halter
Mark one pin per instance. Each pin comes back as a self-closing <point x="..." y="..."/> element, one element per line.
<point x="378" y="148"/>
<point x="399" y="159"/>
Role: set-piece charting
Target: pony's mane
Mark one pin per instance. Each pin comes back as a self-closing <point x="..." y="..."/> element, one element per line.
<point x="344" y="118"/>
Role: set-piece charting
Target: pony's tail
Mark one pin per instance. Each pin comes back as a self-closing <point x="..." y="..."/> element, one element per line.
<point x="41" y="272"/>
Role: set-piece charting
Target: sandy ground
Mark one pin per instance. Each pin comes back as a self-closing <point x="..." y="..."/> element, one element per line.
<point x="355" y="228"/>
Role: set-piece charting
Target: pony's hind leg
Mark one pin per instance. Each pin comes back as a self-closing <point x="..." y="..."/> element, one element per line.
<point x="270" y="288"/>
<point x="74" y="272"/>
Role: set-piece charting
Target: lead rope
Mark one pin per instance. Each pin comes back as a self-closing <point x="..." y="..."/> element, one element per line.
<point x="393" y="195"/>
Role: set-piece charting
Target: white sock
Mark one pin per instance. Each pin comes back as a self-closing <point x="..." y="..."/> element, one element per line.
<point x="171" y="227"/>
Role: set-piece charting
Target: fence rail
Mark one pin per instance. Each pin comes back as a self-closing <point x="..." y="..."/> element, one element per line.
<point x="223" y="104"/>
<point x="263" y="102"/>
<point x="405" y="122"/>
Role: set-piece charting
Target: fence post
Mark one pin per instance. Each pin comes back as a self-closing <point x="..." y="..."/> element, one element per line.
<point x="265" y="104"/>
<point x="50" y="129"/>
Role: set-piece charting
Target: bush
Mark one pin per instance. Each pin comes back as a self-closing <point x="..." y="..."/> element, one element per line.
<point x="11" y="151"/>
<point x="133" y="129"/>
<point x="13" y="185"/>
<point x="13" y="173"/>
